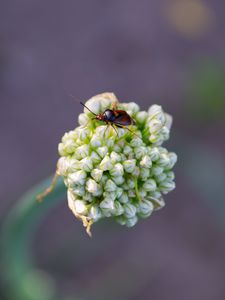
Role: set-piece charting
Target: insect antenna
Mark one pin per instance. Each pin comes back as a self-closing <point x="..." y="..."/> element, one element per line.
<point x="88" y="108"/>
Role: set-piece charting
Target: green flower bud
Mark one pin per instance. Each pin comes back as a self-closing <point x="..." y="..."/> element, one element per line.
<point x="78" y="177"/>
<point x="88" y="197"/>
<point x="141" y="117"/>
<point x="142" y="193"/>
<point x="102" y="151"/>
<point x="121" y="220"/>
<point x="96" y="174"/>
<point x="78" y="190"/>
<point x="156" y="170"/>
<point x="95" y="157"/>
<point x="117" y="148"/>
<point x="69" y="146"/>
<point x="70" y="135"/>
<point x="81" y="152"/>
<point x="95" y="213"/>
<point x="164" y="160"/>
<point x="119" y="192"/>
<point x="161" y="177"/>
<point x="106" y="164"/>
<point x="117" y="170"/>
<point x="173" y="160"/>
<point x="127" y="150"/>
<point x="154" y="194"/>
<point x="144" y="174"/>
<point x="131" y="221"/>
<point x="110" y="186"/>
<point x="93" y="105"/>
<point x="158" y="203"/>
<point x="130" y="183"/>
<point x="86" y="164"/>
<point x="107" y="207"/>
<point x="123" y="198"/>
<point x="155" y="112"/>
<point x="80" y="207"/>
<point x="170" y="175"/>
<point x="115" y="157"/>
<point x="154" y="126"/>
<point x="118" y="208"/>
<point x="136" y="142"/>
<point x="118" y="180"/>
<point x="83" y="133"/>
<point x="93" y="187"/>
<point x="150" y="185"/>
<point x="95" y="141"/>
<point x="167" y="186"/>
<point x="140" y="151"/>
<point x="154" y="154"/>
<point x="63" y="166"/>
<point x="110" y="195"/>
<point x="129" y="210"/>
<point x="129" y="165"/>
<point x="145" y="208"/>
<point x="83" y="119"/>
<point x="146" y="161"/>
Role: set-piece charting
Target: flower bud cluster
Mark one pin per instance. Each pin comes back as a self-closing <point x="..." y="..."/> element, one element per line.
<point x="114" y="172"/>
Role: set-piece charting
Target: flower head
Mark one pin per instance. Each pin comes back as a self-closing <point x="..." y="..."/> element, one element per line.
<point x="116" y="172"/>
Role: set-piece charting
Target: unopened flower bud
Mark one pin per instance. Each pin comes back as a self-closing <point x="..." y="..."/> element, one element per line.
<point x="119" y="180"/>
<point x="154" y="154"/>
<point x="107" y="207"/>
<point x="86" y="164"/>
<point x="81" y="151"/>
<point x="117" y="170"/>
<point x="167" y="186"/>
<point x="96" y="174"/>
<point x="150" y="185"/>
<point x="115" y="157"/>
<point x="118" y="208"/>
<point x="129" y="165"/>
<point x="93" y="187"/>
<point x="83" y="119"/>
<point x="123" y="198"/>
<point x="130" y="222"/>
<point x="80" y="207"/>
<point x="145" y="208"/>
<point x="106" y="164"/>
<point x="95" y="213"/>
<point x="110" y="186"/>
<point x="102" y="151"/>
<point x="146" y="161"/>
<point x="78" y="177"/>
<point x="129" y="210"/>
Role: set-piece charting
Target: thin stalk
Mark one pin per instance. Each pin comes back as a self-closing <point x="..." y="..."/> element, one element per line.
<point x="22" y="281"/>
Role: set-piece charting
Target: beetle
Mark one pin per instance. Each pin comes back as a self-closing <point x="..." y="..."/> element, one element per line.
<point x="114" y="117"/>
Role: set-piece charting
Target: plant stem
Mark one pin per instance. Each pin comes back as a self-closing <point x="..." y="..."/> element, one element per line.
<point x="23" y="282"/>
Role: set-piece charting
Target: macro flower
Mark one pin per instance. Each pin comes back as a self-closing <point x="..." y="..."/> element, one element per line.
<point x="119" y="173"/>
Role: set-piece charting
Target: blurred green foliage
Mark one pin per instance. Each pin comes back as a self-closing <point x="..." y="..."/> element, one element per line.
<point x="206" y="91"/>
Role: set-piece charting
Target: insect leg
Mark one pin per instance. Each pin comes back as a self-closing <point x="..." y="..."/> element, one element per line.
<point x="41" y="196"/>
<point x="125" y="127"/>
<point x="115" y="129"/>
<point x="106" y="129"/>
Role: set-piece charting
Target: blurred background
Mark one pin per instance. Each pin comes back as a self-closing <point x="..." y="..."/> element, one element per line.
<point x="169" y="52"/>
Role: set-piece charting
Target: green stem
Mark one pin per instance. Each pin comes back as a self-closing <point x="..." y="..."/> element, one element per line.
<point x="23" y="282"/>
<point x="137" y="190"/>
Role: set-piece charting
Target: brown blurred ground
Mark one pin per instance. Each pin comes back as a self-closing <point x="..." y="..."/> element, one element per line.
<point x="50" y="49"/>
